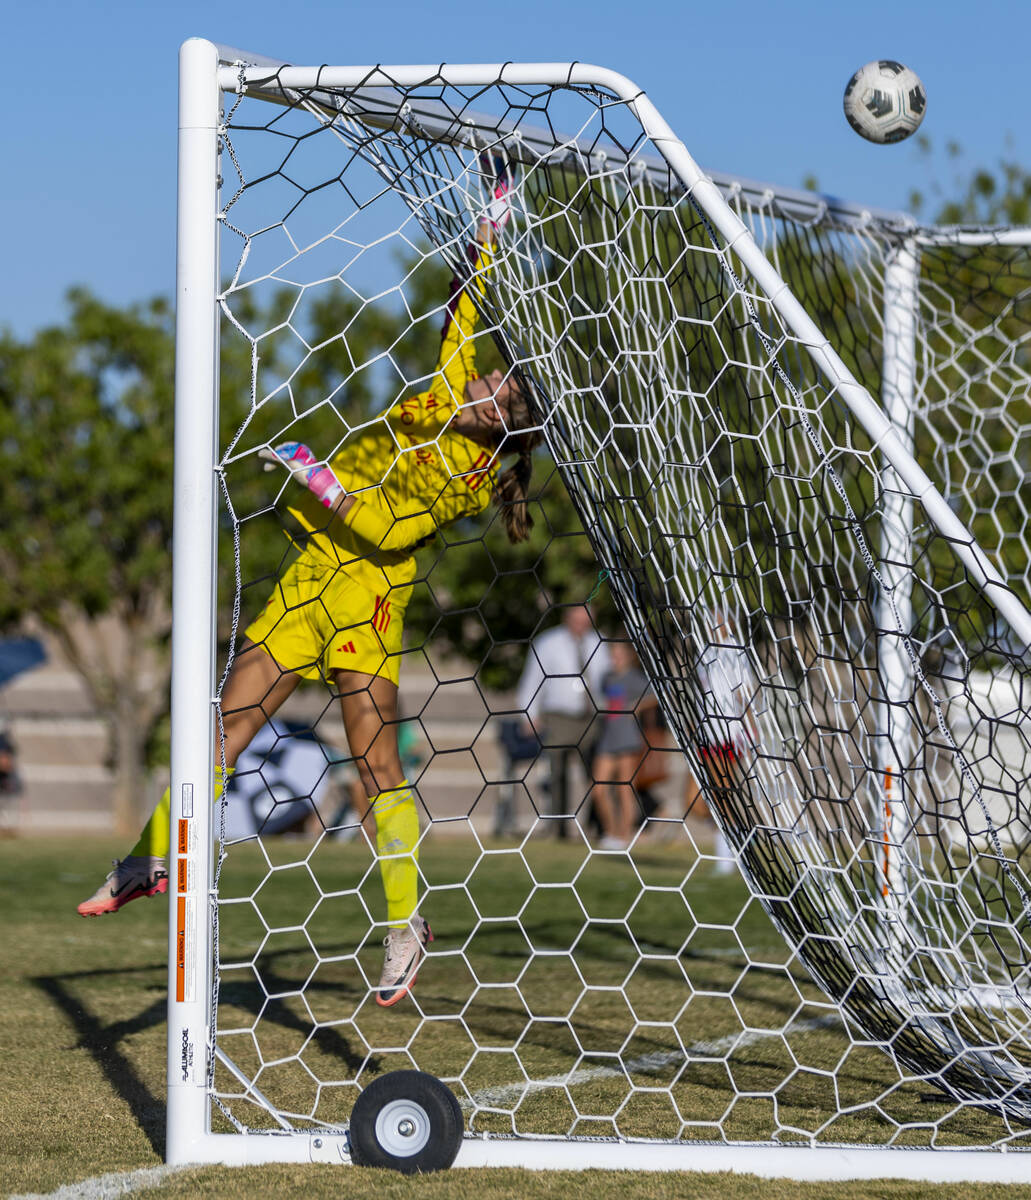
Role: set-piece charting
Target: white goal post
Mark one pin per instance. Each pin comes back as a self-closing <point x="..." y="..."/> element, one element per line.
<point x="923" y="843"/>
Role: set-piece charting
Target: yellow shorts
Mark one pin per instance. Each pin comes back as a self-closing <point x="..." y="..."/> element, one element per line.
<point x="320" y="621"/>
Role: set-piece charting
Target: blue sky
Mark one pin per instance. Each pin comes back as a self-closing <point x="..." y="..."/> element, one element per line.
<point x="753" y="87"/>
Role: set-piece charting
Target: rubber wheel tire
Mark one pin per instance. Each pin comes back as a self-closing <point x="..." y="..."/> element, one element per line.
<point x="418" y="1100"/>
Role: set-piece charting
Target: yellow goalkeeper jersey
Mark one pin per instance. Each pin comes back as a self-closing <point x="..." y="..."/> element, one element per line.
<point x="409" y="474"/>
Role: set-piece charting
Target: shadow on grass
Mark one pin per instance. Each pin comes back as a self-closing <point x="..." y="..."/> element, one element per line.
<point x="101" y="1039"/>
<point x="104" y="1039"/>
<point x="264" y="1001"/>
<point x="79" y="996"/>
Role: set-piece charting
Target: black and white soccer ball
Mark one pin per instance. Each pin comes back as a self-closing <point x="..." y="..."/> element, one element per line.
<point x="885" y="101"/>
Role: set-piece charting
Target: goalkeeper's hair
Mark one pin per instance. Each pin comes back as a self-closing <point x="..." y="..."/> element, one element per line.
<point x="522" y="435"/>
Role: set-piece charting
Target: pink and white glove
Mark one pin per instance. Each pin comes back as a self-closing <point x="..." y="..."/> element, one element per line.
<point x="501" y="175"/>
<point x="306" y="470"/>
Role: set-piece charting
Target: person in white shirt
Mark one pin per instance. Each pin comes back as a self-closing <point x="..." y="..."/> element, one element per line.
<point x="559" y="692"/>
<point x="728" y="683"/>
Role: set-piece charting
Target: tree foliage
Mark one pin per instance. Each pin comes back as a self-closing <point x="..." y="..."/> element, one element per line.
<point x="956" y="194"/>
<point x="85" y="489"/>
<point x="974" y="437"/>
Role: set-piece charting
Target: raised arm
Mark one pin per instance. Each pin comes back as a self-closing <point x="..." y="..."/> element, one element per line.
<point x="456" y="363"/>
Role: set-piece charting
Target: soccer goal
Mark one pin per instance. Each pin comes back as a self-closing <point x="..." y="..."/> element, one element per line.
<point x="794" y="434"/>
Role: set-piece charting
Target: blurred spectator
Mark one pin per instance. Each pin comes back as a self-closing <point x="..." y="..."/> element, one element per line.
<point x="661" y="752"/>
<point x="519" y="744"/>
<point x="562" y="675"/>
<point x="727" y="682"/>
<point x="622" y="747"/>
<point x="10" y="782"/>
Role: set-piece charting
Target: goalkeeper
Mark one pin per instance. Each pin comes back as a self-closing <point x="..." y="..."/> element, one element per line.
<point x="337" y="611"/>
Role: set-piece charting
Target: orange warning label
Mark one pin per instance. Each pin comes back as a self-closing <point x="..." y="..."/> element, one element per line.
<point x="184" y="836"/>
<point x="181" y="876"/>
<point x="180" y="950"/>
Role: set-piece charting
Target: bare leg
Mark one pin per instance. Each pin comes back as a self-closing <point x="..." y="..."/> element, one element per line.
<point x="558" y="783"/>
<point x="369" y="708"/>
<point x="721" y="775"/>
<point x="724" y="777"/>
<point x="256" y="687"/>
<point x="255" y="690"/>
<point x="695" y="804"/>
<point x="604" y="772"/>
<point x="626" y="768"/>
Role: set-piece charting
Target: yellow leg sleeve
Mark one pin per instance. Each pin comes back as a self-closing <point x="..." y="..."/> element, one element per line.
<point x="154" y="838"/>
<point x="397" y="838"/>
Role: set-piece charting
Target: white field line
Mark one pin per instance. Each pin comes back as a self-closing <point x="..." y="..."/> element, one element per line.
<point x="646" y="1063"/>
<point x="105" y="1187"/>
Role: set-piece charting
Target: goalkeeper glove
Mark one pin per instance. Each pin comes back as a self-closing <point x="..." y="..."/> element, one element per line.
<point x="500" y="176"/>
<point x="306" y="470"/>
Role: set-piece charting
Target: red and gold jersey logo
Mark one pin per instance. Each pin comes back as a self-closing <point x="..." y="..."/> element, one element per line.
<point x="381" y="614"/>
<point x="479" y="471"/>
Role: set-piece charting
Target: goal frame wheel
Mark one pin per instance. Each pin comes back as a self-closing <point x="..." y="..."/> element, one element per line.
<point x="407" y="1121"/>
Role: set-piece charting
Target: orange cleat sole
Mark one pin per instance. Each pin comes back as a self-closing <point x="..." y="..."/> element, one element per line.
<point x="98" y="908"/>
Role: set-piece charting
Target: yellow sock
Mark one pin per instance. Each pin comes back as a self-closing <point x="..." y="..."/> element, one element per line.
<point x="154" y="838"/>
<point x="397" y="838"/>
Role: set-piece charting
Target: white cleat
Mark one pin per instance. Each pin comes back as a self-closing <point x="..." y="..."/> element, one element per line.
<point x="406" y="948"/>
<point x="131" y="878"/>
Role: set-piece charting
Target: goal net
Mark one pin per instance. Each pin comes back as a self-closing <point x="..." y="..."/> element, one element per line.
<point x="788" y="437"/>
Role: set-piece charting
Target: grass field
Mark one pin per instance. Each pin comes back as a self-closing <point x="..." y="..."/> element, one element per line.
<point x="83" y="1009"/>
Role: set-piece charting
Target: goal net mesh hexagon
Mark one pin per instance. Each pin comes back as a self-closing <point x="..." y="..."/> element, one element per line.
<point x="864" y="978"/>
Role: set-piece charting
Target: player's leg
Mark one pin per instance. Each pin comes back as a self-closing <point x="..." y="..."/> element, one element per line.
<point x="627" y="764"/>
<point x="697" y="807"/>
<point x="604" y="772"/>
<point x="723" y="772"/>
<point x="256" y="687"/>
<point x="368" y="704"/>
<point x="362" y="655"/>
<point x="695" y="804"/>
<point x="559" y="737"/>
<point x="254" y="691"/>
<point x="369" y="707"/>
<point x="719" y="775"/>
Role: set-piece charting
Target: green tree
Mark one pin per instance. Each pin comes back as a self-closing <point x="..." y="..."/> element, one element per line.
<point x="86" y="470"/>
<point x="998" y="195"/>
<point x="85" y="490"/>
<point x="86" y="425"/>
<point x="974" y="437"/>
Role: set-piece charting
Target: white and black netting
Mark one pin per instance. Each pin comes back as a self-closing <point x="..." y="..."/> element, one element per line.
<point x="785" y="593"/>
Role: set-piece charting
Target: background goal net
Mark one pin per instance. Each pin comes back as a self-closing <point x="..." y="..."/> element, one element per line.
<point x="788" y="436"/>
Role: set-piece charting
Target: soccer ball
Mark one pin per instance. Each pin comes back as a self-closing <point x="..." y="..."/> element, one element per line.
<point x="885" y="101"/>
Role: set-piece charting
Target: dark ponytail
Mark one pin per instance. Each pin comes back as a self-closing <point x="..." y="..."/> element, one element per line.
<point x="523" y="435"/>
<point x="510" y="496"/>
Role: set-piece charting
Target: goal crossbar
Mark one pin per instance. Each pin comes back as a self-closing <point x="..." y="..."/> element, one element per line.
<point x="382" y="106"/>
